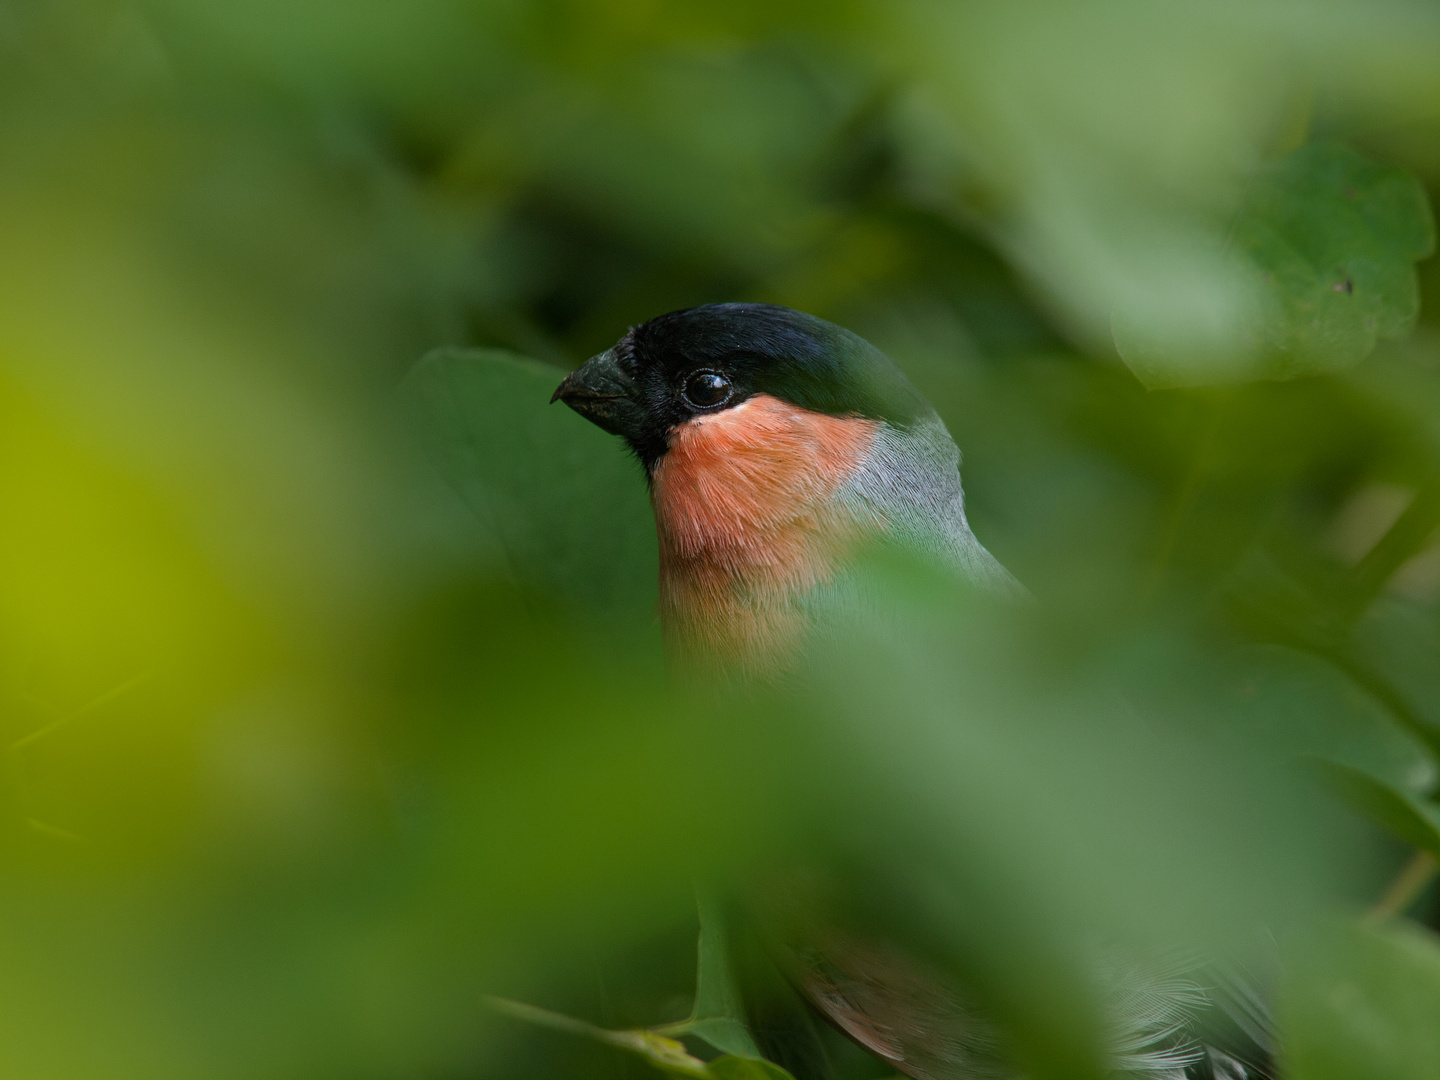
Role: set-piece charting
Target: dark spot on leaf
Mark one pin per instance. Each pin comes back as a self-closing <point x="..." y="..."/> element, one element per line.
<point x="1300" y="230"/>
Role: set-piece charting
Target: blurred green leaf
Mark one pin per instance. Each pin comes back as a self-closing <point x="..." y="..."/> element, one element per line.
<point x="1363" y="1003"/>
<point x="1305" y="706"/>
<point x="1414" y="820"/>
<point x="1325" y="245"/>
<point x="1336" y="236"/>
<point x="565" y="499"/>
<point x="1399" y="640"/>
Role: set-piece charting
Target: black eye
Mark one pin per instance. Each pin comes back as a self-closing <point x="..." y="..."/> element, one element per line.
<point x="705" y="388"/>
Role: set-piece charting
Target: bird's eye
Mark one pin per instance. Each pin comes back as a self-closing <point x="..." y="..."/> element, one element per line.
<point x="706" y="388"/>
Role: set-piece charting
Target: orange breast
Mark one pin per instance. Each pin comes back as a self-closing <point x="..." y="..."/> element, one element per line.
<point x="748" y="522"/>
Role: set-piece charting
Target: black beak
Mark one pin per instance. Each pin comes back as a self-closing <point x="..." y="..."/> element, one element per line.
<point x="599" y="391"/>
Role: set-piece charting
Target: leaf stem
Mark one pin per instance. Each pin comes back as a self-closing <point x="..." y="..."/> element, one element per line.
<point x="664" y="1053"/>
<point x="1412" y="880"/>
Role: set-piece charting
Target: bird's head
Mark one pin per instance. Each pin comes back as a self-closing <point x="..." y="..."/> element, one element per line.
<point x="683" y="368"/>
<point x="775" y="444"/>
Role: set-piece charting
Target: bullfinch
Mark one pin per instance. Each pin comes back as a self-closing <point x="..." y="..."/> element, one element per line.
<point x="777" y="446"/>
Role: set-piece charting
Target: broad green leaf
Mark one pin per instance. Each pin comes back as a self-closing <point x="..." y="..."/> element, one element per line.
<point x="1363" y="1003"/>
<point x="1414" y="820"/>
<point x="563" y="498"/>
<point x="1305" y="706"/>
<point x="1319" y="265"/>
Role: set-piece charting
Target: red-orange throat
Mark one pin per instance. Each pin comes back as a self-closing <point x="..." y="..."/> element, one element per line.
<point x="748" y="521"/>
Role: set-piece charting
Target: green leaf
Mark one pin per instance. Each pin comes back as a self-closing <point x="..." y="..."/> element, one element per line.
<point x="564" y="500"/>
<point x="1336" y="236"/>
<point x="1414" y="820"/>
<point x="1399" y="641"/>
<point x="718" y="1017"/>
<point x="1322" y="259"/>
<point x="1307" y="707"/>
<point x="1363" y="1003"/>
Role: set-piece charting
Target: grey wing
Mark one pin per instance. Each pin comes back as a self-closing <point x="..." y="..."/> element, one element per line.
<point x="912" y="484"/>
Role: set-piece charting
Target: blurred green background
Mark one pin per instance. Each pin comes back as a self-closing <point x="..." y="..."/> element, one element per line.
<point x="330" y="690"/>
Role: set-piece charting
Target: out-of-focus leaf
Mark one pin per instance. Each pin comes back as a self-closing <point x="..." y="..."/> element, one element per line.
<point x="1363" y="1003"/>
<point x="563" y="498"/>
<point x="1413" y="820"/>
<point x="1400" y="642"/>
<point x="1307" y="707"/>
<point x="1326" y="245"/>
<point x="1336" y="236"/>
<point x="976" y="770"/>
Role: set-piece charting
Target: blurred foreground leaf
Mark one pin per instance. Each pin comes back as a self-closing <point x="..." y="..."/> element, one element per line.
<point x="1363" y="1003"/>
<point x="566" y="504"/>
<point x="1325" y="246"/>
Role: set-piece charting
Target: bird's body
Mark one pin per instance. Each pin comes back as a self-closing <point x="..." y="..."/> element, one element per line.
<point x="777" y="446"/>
